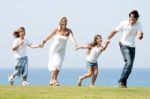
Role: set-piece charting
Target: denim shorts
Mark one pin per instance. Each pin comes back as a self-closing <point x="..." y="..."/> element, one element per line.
<point x="90" y="64"/>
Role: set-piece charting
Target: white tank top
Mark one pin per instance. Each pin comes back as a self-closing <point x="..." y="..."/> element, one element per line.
<point x="94" y="54"/>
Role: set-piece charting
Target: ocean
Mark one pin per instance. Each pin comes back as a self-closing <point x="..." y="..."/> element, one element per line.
<point x="68" y="77"/>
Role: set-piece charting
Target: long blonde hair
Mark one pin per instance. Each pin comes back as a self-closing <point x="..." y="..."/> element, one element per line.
<point x="59" y="27"/>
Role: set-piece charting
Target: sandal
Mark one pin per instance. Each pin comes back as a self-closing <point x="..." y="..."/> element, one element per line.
<point x="56" y="84"/>
<point x="51" y="83"/>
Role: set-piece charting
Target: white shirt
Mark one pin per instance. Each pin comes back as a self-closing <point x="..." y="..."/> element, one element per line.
<point x="21" y="51"/>
<point x="129" y="32"/>
<point x="94" y="54"/>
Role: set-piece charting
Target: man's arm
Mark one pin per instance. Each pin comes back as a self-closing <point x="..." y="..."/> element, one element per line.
<point x="111" y="34"/>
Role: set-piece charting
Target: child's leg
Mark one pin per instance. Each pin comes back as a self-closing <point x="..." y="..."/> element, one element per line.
<point x="95" y="73"/>
<point x="89" y="74"/>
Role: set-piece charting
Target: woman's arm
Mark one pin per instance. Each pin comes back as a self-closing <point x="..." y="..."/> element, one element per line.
<point x="48" y="37"/>
<point x="72" y="39"/>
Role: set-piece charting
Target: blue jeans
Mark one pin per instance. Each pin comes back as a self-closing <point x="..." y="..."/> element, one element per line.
<point x="128" y="55"/>
<point x="21" y="68"/>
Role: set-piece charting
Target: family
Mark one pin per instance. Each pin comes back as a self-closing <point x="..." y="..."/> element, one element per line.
<point x="129" y="29"/>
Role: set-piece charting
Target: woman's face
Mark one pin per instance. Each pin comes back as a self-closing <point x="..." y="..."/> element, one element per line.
<point x="63" y="23"/>
<point x="99" y="40"/>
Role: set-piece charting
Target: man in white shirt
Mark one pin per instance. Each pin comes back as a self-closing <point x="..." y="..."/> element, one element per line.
<point x="129" y="29"/>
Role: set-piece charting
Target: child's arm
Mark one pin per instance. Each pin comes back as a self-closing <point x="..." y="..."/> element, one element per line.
<point x="17" y="46"/>
<point x="87" y="46"/>
<point x="105" y="46"/>
<point x="35" y="45"/>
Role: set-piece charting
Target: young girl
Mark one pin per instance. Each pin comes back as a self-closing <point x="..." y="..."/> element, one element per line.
<point x="19" y="49"/>
<point x="94" y="50"/>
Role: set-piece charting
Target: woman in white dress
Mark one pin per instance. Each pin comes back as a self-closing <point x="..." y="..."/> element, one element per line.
<point x="57" y="49"/>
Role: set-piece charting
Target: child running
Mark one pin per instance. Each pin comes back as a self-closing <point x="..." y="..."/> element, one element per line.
<point x="19" y="49"/>
<point x="94" y="50"/>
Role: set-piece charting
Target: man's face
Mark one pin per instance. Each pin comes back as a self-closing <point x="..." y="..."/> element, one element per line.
<point x="132" y="19"/>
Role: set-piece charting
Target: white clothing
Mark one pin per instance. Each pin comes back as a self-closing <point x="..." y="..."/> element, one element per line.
<point x="21" y="51"/>
<point x="94" y="54"/>
<point x="57" y="52"/>
<point x="129" y="32"/>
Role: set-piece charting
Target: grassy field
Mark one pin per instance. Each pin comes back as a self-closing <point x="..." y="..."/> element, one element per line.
<point x="73" y="92"/>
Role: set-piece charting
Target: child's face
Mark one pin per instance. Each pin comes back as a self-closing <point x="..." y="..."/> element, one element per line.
<point x="99" y="40"/>
<point x="21" y="33"/>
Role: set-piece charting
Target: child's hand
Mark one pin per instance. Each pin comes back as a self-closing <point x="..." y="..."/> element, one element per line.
<point x="107" y="42"/>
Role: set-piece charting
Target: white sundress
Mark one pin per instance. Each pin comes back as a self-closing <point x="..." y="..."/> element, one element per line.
<point x="57" y="52"/>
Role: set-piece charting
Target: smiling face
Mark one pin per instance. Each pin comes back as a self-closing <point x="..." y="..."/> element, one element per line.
<point x="99" y="40"/>
<point x="132" y="19"/>
<point x="21" y="33"/>
<point x="63" y="23"/>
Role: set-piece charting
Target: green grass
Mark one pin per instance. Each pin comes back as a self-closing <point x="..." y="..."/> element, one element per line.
<point x="73" y="92"/>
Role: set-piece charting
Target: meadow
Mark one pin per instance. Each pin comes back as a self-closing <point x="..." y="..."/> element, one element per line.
<point x="73" y="92"/>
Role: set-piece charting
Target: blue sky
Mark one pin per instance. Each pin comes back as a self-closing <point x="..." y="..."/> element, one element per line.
<point x="85" y="17"/>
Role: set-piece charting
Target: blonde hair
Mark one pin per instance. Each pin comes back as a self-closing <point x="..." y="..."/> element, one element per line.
<point x="59" y="27"/>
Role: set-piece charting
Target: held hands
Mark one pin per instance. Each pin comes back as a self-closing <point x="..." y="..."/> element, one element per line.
<point x="41" y="45"/>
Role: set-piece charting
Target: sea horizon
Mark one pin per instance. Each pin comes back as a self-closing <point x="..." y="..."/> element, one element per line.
<point x="69" y="76"/>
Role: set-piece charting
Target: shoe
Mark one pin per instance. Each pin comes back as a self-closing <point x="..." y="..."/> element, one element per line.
<point x="25" y="83"/>
<point x="92" y="86"/>
<point x="79" y="81"/>
<point x="11" y="79"/>
<point x="122" y="85"/>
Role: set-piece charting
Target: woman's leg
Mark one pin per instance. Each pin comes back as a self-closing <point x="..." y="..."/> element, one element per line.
<point x="52" y="77"/>
<point x="55" y="78"/>
<point x="95" y="73"/>
<point x="57" y="72"/>
<point x="89" y="74"/>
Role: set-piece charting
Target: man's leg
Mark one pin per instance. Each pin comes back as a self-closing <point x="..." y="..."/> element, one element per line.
<point x="127" y="55"/>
